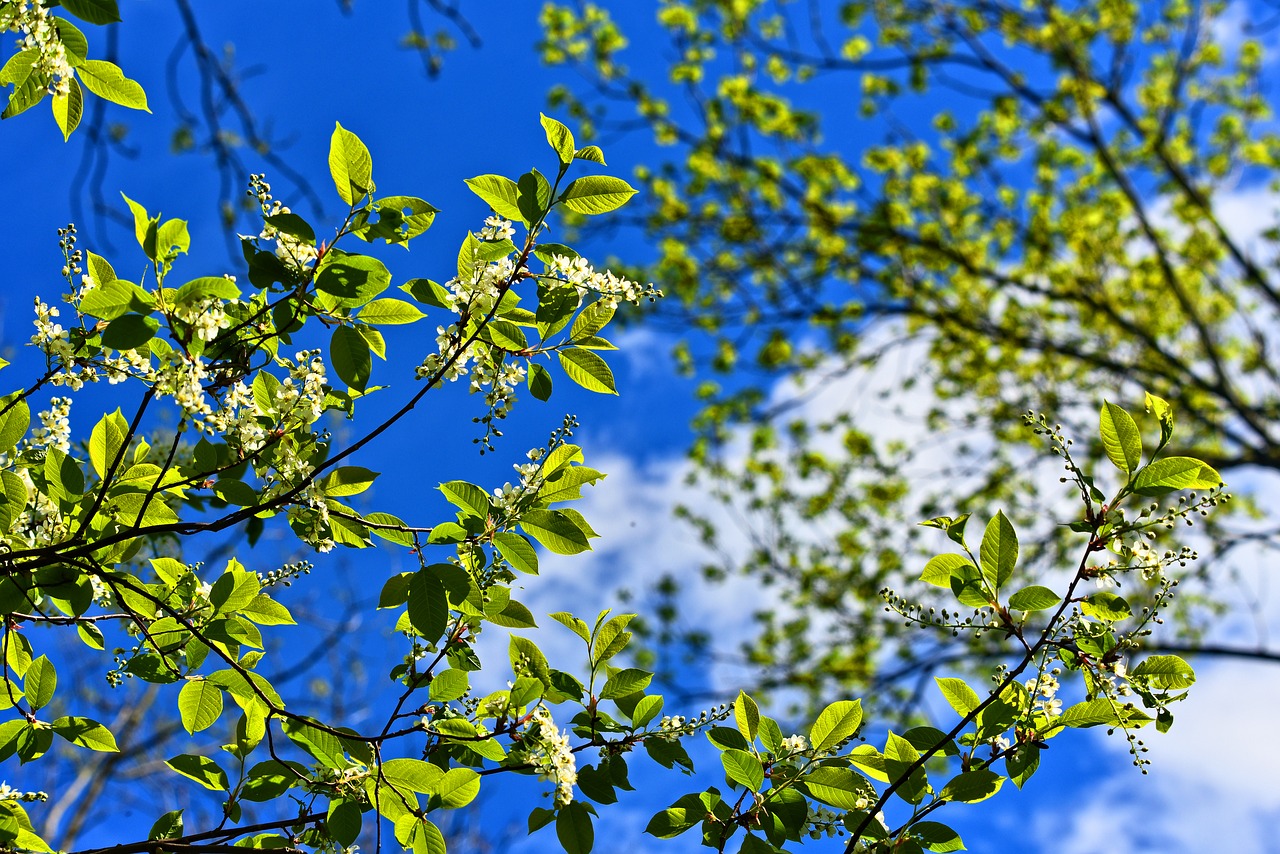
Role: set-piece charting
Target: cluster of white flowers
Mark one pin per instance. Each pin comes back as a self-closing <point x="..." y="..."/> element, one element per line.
<point x="576" y="272"/>
<point x="8" y="793"/>
<point x="479" y="294"/>
<point x="207" y="317"/>
<point x="447" y="341"/>
<point x="40" y="33"/>
<point x="553" y="755"/>
<point x="501" y="379"/>
<point x="236" y="419"/>
<point x="316" y="532"/>
<point x="497" y="228"/>
<point x="55" y="426"/>
<point x="50" y="337"/>
<point x="507" y="496"/>
<point x="301" y="394"/>
<point x="1043" y="691"/>
<point x="793" y="745"/>
<point x="293" y="251"/>
<point x="40" y="523"/>
<point x="182" y="379"/>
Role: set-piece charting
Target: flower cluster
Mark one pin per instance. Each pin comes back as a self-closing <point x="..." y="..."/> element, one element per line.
<point x="8" y="793"/>
<point x="507" y="497"/>
<point x="205" y="317"/>
<point x="497" y="228"/>
<point x="50" y="336"/>
<point x="40" y="34"/>
<point x="237" y="420"/>
<point x="301" y="394"/>
<point x="1043" y="691"/>
<point x="552" y="755"/>
<point x="576" y="272"/>
<point x="294" y="251"/>
<point x="55" y="426"/>
<point x="182" y="379"/>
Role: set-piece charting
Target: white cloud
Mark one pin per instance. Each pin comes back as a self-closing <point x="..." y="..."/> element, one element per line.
<point x="1212" y="786"/>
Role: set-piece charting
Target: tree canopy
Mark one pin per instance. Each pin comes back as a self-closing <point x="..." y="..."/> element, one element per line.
<point x="1060" y="243"/>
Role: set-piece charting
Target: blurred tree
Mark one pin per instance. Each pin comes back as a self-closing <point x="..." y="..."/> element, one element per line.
<point x="890" y="227"/>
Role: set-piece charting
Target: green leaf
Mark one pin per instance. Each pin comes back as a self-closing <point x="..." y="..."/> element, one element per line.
<point x="343" y="821"/>
<point x="539" y="381"/>
<point x="972" y="786"/>
<point x="587" y="370"/>
<point x="835" y="723"/>
<point x="498" y="193"/>
<point x="533" y="196"/>
<point x="1120" y="438"/>
<point x="109" y="300"/>
<point x="107" y="81"/>
<point x="265" y="611"/>
<point x="900" y="755"/>
<point x="84" y="732"/>
<point x="352" y="280"/>
<point x="743" y="768"/>
<point x="206" y="287"/>
<point x="390" y="312"/>
<point x="527" y="659"/>
<point x="591" y="154"/>
<point x="200" y="705"/>
<point x="40" y="682"/>
<point x="129" y="332"/>
<point x="941" y="569"/>
<point x="457" y="788"/>
<point x="470" y="498"/>
<point x="168" y="826"/>
<point x="449" y="685"/>
<point x="837" y="787"/>
<point x="94" y="11"/>
<point x="99" y="269"/>
<point x="350" y="165"/>
<point x="959" y="695"/>
<point x="391" y="535"/>
<point x="1100" y="712"/>
<point x="350" y="356"/>
<point x="13" y="425"/>
<point x="105" y="442"/>
<point x="625" y="682"/>
<point x="554" y="530"/>
<point x="516" y="551"/>
<point x="677" y="818"/>
<point x="596" y="194"/>
<point x="1034" y="598"/>
<point x="202" y="769"/>
<point x="999" y="552"/>
<point x="428" y="605"/>
<point x="1165" y="672"/>
<point x="591" y="320"/>
<point x="1106" y="606"/>
<point x="573" y="827"/>
<point x="937" y="837"/>
<point x="29" y="86"/>
<point x="1171" y="473"/>
<point x="746" y="714"/>
<point x="646" y="710"/>
<point x="1160" y="408"/>
<point x="506" y="335"/>
<point x="68" y="109"/>
<point x="560" y="138"/>
<point x="1021" y="763"/>
<point x="348" y="480"/>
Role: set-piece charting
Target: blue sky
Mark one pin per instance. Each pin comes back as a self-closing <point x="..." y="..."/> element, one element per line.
<point x="1213" y="785"/>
